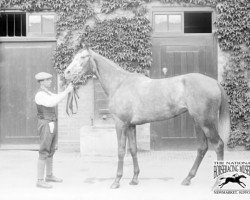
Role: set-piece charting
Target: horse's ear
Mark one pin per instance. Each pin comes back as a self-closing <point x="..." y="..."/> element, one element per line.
<point x="87" y="46"/>
<point x="82" y="45"/>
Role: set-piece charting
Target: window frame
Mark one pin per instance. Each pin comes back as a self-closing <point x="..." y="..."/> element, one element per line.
<point x="14" y="12"/>
<point x="177" y="10"/>
<point x="30" y="37"/>
<point x="169" y="13"/>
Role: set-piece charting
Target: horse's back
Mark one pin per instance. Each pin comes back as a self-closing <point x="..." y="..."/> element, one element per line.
<point x="142" y="99"/>
<point x="193" y="83"/>
<point x="199" y="84"/>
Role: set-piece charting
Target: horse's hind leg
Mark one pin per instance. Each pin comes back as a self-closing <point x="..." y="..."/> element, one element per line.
<point x="212" y="133"/>
<point x="121" y="130"/>
<point x="221" y="185"/>
<point x="202" y="149"/>
<point x="133" y="150"/>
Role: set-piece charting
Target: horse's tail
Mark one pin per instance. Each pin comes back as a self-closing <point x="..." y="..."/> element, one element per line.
<point x="224" y="117"/>
<point x="222" y="178"/>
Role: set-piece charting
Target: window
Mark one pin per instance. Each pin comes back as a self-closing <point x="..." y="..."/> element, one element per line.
<point x="27" y="24"/>
<point x="196" y="22"/>
<point x="167" y="23"/>
<point x="174" y="23"/>
<point x="34" y="24"/>
<point x="12" y="24"/>
<point x="161" y="23"/>
<point x="41" y="24"/>
<point x="48" y="23"/>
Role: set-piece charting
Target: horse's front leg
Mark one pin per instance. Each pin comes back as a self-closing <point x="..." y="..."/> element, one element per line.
<point x="133" y="151"/>
<point x="121" y="130"/>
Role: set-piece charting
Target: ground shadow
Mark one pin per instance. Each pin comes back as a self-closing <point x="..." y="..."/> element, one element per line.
<point x="93" y="180"/>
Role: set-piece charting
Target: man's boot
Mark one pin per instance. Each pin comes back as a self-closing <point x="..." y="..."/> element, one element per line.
<point x="40" y="175"/>
<point x="49" y="172"/>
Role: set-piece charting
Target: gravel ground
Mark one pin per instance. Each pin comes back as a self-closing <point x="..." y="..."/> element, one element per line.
<point x="89" y="177"/>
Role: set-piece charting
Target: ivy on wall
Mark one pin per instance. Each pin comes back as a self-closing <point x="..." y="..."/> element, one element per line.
<point x="73" y="14"/>
<point x="127" y="42"/>
<point x="124" y="40"/>
<point x="233" y="23"/>
<point x="109" y="6"/>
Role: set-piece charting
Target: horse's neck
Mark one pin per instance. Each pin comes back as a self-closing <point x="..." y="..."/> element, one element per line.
<point x="110" y="75"/>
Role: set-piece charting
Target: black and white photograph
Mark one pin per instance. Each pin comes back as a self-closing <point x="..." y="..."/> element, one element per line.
<point x="124" y="99"/>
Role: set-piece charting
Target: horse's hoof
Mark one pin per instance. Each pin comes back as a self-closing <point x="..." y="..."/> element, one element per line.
<point x="115" y="186"/>
<point x="134" y="182"/>
<point x="186" y="182"/>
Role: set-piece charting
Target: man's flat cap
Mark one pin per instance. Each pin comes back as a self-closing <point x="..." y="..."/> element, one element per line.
<point x="42" y="76"/>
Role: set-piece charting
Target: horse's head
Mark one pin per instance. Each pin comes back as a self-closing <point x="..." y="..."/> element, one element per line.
<point x="79" y="66"/>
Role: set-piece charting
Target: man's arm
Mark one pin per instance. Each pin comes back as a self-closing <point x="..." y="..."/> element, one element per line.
<point x="42" y="98"/>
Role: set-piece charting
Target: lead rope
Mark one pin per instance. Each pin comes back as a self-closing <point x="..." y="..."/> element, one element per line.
<point x="72" y="100"/>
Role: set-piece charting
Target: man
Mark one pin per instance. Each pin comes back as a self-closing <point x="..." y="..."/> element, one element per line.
<point x="46" y="102"/>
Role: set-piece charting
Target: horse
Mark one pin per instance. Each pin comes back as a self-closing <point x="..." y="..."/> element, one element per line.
<point x="234" y="179"/>
<point x="135" y="99"/>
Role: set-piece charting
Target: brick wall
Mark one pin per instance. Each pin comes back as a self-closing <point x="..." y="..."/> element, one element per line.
<point x="69" y="126"/>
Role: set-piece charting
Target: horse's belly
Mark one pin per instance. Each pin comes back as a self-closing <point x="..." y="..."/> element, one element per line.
<point x="148" y="115"/>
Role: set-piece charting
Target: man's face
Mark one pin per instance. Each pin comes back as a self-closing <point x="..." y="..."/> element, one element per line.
<point x="47" y="82"/>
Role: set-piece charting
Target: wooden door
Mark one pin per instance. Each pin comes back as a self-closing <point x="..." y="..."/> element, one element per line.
<point x="180" y="55"/>
<point x="19" y="62"/>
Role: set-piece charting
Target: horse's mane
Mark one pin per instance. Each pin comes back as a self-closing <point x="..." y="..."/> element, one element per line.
<point x="111" y="63"/>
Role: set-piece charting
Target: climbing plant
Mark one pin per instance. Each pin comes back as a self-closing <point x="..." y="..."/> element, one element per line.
<point x="109" y="6"/>
<point x="127" y="42"/>
<point x="233" y="23"/>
